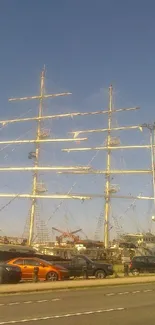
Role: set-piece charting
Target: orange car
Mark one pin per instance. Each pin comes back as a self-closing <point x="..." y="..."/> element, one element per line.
<point x="47" y="271"/>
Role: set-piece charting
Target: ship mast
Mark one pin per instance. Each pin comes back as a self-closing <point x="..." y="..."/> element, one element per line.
<point x="152" y="137"/>
<point x="113" y="144"/>
<point x="36" y="153"/>
<point x="151" y="128"/>
<point x="108" y="175"/>
<point x="36" y="159"/>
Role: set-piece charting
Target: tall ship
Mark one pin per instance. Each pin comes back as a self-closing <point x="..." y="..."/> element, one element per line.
<point x="39" y="227"/>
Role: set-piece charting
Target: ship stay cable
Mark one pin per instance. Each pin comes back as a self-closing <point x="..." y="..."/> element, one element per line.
<point x="18" y="138"/>
<point x="6" y="156"/>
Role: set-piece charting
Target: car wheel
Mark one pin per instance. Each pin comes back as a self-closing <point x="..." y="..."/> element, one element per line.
<point x="52" y="276"/>
<point x="135" y="272"/>
<point x="100" y="274"/>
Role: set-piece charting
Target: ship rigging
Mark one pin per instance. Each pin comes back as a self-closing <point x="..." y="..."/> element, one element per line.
<point x="111" y="144"/>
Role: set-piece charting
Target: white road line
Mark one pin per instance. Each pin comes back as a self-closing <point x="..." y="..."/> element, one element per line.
<point x="61" y="316"/>
<point x="67" y="315"/>
<point x="99" y="311"/>
<point x="29" y="302"/>
<point x="110" y="309"/>
<point x="149" y="290"/>
<point x="58" y="299"/>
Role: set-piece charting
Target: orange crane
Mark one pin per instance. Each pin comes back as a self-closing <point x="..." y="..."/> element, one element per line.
<point x="67" y="234"/>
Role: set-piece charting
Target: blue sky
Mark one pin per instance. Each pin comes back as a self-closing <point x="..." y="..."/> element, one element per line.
<point x="86" y="46"/>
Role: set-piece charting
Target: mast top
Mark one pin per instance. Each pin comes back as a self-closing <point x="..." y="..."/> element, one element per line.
<point x="43" y="72"/>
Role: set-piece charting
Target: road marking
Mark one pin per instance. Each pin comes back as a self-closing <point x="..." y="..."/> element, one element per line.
<point x="26" y="320"/>
<point x="29" y="302"/>
<point x="67" y="315"/>
<point x="149" y="290"/>
<point x="13" y="303"/>
<point x="58" y="299"/>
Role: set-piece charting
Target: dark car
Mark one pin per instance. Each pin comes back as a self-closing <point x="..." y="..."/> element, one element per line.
<point x="9" y="274"/>
<point x="141" y="264"/>
<point x="81" y="265"/>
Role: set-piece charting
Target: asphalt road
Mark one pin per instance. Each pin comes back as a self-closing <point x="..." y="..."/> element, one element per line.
<point x="130" y="304"/>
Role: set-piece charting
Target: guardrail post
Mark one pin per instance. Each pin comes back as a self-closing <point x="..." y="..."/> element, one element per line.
<point x="85" y="272"/>
<point x="35" y="274"/>
<point x="126" y="269"/>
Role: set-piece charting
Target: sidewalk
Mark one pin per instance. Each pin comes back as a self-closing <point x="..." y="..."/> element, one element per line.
<point x="72" y="284"/>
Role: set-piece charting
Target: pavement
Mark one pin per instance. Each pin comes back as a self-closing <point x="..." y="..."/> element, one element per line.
<point x="127" y="304"/>
<point x="72" y="284"/>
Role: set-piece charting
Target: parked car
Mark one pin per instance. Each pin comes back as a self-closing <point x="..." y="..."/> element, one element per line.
<point x="82" y="265"/>
<point x="47" y="271"/>
<point x="9" y="273"/>
<point x="141" y="264"/>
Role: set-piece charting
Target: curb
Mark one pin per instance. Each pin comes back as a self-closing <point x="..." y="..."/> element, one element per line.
<point x="71" y="285"/>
